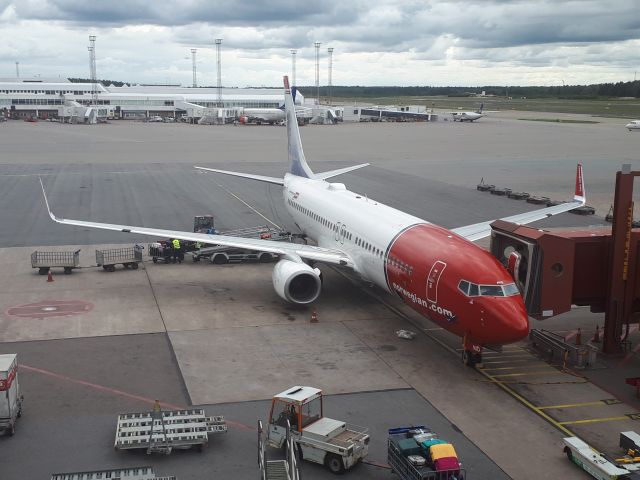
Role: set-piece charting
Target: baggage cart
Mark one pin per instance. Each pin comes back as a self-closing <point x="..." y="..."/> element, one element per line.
<point x="129" y="257"/>
<point x="10" y="398"/>
<point x="160" y="251"/>
<point x="409" y="457"/>
<point x="43" y="261"/>
<point x="161" y="431"/>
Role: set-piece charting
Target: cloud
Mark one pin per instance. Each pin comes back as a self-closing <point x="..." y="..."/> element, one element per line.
<point x="376" y="41"/>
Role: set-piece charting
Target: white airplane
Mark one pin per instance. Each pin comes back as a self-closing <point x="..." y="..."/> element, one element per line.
<point x="633" y="125"/>
<point x="262" y="115"/>
<point x="468" y="116"/>
<point x="440" y="273"/>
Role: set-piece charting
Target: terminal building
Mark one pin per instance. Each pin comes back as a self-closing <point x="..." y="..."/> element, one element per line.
<point x="24" y="98"/>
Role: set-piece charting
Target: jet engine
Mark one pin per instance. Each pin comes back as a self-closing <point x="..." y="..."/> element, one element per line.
<point x="296" y="282"/>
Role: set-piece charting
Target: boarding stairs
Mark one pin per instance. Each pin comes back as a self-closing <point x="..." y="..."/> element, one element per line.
<point x="286" y="469"/>
<point x="161" y="431"/>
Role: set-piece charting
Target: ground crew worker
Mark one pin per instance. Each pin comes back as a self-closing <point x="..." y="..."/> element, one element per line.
<point x="176" y="251"/>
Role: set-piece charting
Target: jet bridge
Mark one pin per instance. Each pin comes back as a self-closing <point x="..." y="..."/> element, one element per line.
<point x="595" y="267"/>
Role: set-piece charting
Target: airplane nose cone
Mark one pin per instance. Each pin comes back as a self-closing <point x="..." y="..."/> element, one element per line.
<point x="512" y="320"/>
<point x="509" y="321"/>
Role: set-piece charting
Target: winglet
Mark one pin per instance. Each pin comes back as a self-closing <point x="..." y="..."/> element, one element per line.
<point x="580" y="195"/>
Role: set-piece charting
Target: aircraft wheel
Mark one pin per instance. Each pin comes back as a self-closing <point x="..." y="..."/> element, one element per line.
<point x="469" y="358"/>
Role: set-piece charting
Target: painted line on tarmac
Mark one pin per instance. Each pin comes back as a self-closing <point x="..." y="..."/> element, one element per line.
<point x="597" y="403"/>
<point x="116" y="392"/>
<point x="529" y="359"/>
<point x="630" y="416"/>
<point x="551" y="371"/>
<point x="519" y="367"/>
<point x="249" y="206"/>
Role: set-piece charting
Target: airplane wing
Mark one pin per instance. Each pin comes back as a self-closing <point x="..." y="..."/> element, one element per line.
<point x="483" y="229"/>
<point x="309" y="252"/>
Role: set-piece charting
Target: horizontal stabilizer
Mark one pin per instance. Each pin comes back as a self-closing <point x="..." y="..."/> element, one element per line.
<point x="260" y="178"/>
<point x="340" y="171"/>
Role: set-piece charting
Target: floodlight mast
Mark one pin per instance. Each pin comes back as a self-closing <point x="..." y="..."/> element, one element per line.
<point x="219" y="65"/>
<point x="92" y="68"/>
<point x="317" y="45"/>
<point x="293" y="67"/>
<point x="193" y="66"/>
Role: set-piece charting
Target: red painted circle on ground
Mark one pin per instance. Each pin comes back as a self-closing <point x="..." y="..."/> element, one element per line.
<point x="50" y="308"/>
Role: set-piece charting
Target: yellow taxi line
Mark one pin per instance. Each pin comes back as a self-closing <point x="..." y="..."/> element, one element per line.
<point x="551" y="371"/>
<point x="517" y="367"/>
<point x="597" y="403"/>
<point x="595" y="420"/>
<point x="511" y="361"/>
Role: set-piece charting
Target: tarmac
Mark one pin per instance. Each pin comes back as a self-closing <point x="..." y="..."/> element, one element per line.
<point x="218" y="336"/>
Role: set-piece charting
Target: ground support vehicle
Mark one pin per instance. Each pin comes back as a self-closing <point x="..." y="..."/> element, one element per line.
<point x="43" y="261"/>
<point x="286" y="469"/>
<point x="10" y="398"/>
<point x="332" y="443"/>
<point x="416" y="453"/>
<point x="161" y="431"/>
<point x="129" y="257"/>
<point x="595" y="463"/>
<point x="219" y="254"/>
<point x="135" y="473"/>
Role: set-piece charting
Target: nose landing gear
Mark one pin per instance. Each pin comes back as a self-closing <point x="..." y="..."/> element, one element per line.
<point x="471" y="353"/>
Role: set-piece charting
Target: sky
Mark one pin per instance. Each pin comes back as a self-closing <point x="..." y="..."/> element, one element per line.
<point x="375" y="42"/>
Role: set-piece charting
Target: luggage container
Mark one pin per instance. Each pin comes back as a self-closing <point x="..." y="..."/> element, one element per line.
<point x="435" y="459"/>
<point x="10" y="398"/>
<point x="43" y="261"/>
<point x="129" y="257"/>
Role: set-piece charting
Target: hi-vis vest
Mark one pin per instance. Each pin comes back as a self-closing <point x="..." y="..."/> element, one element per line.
<point x="176" y="244"/>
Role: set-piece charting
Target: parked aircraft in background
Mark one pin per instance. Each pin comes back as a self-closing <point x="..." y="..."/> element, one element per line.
<point x="633" y="125"/>
<point x="468" y="116"/>
<point x="438" y="272"/>
<point x="262" y="115"/>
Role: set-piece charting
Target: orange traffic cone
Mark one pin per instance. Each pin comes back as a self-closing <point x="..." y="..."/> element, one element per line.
<point x="579" y="337"/>
<point x="50" y="277"/>
<point x="596" y="336"/>
<point x="314" y="316"/>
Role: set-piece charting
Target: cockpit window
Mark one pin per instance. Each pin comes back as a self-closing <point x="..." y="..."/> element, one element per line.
<point x="475" y="290"/>
<point x="491" y="291"/>
<point x="510" y="289"/>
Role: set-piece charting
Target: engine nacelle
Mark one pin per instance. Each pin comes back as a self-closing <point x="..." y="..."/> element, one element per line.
<point x="296" y="282"/>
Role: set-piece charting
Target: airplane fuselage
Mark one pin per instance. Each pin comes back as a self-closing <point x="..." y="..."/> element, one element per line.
<point x="422" y="263"/>
<point x="270" y="115"/>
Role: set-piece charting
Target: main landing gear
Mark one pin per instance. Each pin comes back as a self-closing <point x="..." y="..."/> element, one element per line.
<point x="471" y="354"/>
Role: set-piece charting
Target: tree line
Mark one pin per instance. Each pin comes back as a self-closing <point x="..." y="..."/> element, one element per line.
<point x="594" y="91"/>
